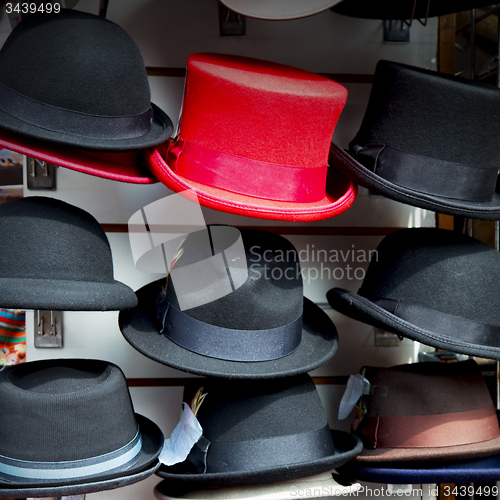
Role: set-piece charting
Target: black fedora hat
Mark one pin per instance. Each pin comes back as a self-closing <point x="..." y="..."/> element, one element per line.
<point x="77" y="79"/>
<point x="405" y="9"/>
<point x="428" y="140"/>
<point x="75" y="430"/>
<point x="56" y="256"/>
<point x="263" y="328"/>
<point x="260" y="432"/>
<point x="434" y="286"/>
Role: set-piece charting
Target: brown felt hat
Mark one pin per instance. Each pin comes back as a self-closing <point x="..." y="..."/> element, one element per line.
<point x="427" y="411"/>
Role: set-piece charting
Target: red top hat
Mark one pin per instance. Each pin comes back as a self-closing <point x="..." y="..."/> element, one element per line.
<point x="254" y="139"/>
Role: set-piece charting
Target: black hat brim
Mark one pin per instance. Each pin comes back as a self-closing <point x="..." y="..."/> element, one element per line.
<point x="318" y="345"/>
<point x="358" y="173"/>
<point x="362" y="309"/>
<point x="147" y="465"/>
<point x="480" y="470"/>
<point x="161" y="130"/>
<point x="65" y="295"/>
<point x="347" y="446"/>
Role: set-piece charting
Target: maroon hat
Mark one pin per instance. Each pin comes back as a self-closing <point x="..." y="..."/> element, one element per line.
<point x="427" y="411"/>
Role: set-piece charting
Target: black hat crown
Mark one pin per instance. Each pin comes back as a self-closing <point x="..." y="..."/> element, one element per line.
<point x="78" y="79"/>
<point x="437" y="269"/>
<point x="435" y="286"/>
<point x="265" y="295"/>
<point x="70" y="418"/>
<point x="56" y="256"/>
<point x="260" y="431"/>
<point x="423" y="128"/>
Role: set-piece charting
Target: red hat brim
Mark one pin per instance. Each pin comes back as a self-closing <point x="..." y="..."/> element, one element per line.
<point x="123" y="166"/>
<point x="340" y="193"/>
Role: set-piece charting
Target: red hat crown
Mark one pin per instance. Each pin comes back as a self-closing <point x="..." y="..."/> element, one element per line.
<point x="256" y="128"/>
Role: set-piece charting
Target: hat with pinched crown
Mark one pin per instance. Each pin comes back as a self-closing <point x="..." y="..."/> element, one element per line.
<point x="232" y="307"/>
<point x="84" y="406"/>
<point x="258" y="432"/>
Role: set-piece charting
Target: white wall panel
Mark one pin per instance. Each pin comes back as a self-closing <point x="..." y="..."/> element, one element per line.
<point x="167" y="31"/>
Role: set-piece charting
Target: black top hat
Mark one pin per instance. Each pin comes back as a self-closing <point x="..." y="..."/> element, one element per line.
<point x="56" y="256"/>
<point x="259" y="432"/>
<point x="262" y="327"/>
<point x="405" y="9"/>
<point x="428" y="140"/>
<point x="68" y="427"/>
<point x="431" y="285"/>
<point x="78" y="79"/>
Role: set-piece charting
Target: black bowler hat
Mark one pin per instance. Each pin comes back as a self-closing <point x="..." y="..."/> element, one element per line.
<point x="260" y="432"/>
<point x="434" y="286"/>
<point x="263" y="327"/>
<point x="77" y="79"/>
<point x="56" y="256"/>
<point x="428" y="140"/>
<point x="68" y="427"/>
<point x="405" y="9"/>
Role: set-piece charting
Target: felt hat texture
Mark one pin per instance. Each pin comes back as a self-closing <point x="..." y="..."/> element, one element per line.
<point x="431" y="285"/>
<point x="260" y="432"/>
<point x="425" y="412"/>
<point x="406" y="9"/>
<point x="123" y="166"/>
<point x="466" y="471"/>
<point x="320" y="485"/>
<point x="77" y="79"/>
<point x="56" y="256"/>
<point x="278" y="10"/>
<point x="427" y="140"/>
<point x="239" y="155"/>
<point x="84" y="406"/>
<point x="264" y="328"/>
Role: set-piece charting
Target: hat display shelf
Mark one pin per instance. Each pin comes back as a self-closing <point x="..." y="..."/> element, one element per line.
<point x="50" y="320"/>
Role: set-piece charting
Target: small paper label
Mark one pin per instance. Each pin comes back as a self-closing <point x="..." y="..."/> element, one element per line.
<point x="186" y="434"/>
<point x="357" y="385"/>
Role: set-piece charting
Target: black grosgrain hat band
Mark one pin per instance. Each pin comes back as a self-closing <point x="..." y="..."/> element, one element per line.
<point x="251" y="454"/>
<point x="465" y="330"/>
<point x="227" y="343"/>
<point x="71" y="122"/>
<point x="428" y="175"/>
<point x="21" y="471"/>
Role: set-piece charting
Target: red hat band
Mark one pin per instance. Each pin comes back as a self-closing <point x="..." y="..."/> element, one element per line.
<point x="245" y="175"/>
